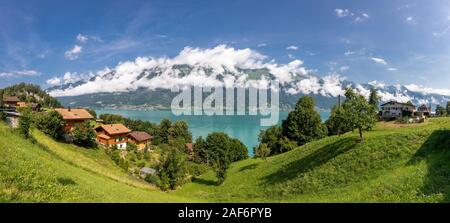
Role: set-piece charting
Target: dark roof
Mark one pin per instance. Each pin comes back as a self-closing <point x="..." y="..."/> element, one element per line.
<point x="147" y="170"/>
<point x="140" y="136"/>
<point x="10" y="99"/>
<point x="395" y="102"/>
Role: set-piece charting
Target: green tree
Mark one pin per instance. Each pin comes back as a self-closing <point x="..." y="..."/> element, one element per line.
<point x="262" y="151"/>
<point x="271" y="137"/>
<point x="163" y="132"/>
<point x="237" y="150"/>
<point x="374" y="99"/>
<point x="50" y="123"/>
<point x="360" y="114"/>
<point x="218" y="150"/>
<point x="448" y="108"/>
<point x="337" y="123"/>
<point x="441" y="111"/>
<point x="201" y="153"/>
<point x="83" y="135"/>
<point x="304" y="124"/>
<point x="287" y="145"/>
<point x="172" y="169"/>
<point x="25" y="124"/>
<point x="180" y="130"/>
<point x="221" y="171"/>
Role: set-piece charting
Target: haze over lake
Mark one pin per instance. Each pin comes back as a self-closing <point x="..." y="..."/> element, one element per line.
<point x="245" y="128"/>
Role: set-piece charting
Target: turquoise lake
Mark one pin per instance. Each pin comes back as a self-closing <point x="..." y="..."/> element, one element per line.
<point x="246" y="128"/>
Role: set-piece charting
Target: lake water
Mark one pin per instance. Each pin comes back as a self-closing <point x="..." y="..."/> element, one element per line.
<point x="245" y="128"/>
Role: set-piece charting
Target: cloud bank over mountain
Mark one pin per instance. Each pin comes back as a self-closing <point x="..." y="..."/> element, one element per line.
<point x="224" y="66"/>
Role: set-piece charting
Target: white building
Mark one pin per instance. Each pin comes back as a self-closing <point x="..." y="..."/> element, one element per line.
<point x="395" y="109"/>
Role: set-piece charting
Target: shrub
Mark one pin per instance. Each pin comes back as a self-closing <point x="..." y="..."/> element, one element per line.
<point x="172" y="169"/>
<point x="24" y="125"/>
<point x="153" y="179"/>
<point x="196" y="169"/>
<point x="50" y="123"/>
<point x="83" y="135"/>
<point x="262" y="151"/>
<point x="287" y="145"/>
<point x="2" y="116"/>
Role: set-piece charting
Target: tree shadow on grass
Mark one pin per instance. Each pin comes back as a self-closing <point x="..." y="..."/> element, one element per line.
<point x="436" y="153"/>
<point x="311" y="161"/>
<point x="205" y="182"/>
<point x="248" y="167"/>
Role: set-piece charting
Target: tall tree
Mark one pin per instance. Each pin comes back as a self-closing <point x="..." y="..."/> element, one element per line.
<point x="337" y="123"/>
<point x="172" y="169"/>
<point x="374" y="99"/>
<point x="304" y="124"/>
<point x="448" y="108"/>
<point x="360" y="114"/>
<point x="180" y="130"/>
<point x="271" y="137"/>
<point x="163" y="131"/>
<point x="441" y="111"/>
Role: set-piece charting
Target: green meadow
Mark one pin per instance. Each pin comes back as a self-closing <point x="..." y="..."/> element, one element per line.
<point x="394" y="163"/>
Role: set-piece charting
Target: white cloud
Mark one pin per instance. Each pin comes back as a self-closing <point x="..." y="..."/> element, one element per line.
<point x="427" y="90"/>
<point x="392" y="69"/>
<point x="292" y="47"/>
<point x="348" y="53"/>
<point x="262" y="45"/>
<point x="54" y="81"/>
<point x="19" y="73"/>
<point x="356" y="17"/>
<point x="398" y="96"/>
<point x="207" y="65"/>
<point x="411" y="20"/>
<point x="377" y="84"/>
<point x="379" y="60"/>
<point x="331" y="86"/>
<point x="342" y="12"/>
<point x="82" y="38"/>
<point x="73" y="53"/>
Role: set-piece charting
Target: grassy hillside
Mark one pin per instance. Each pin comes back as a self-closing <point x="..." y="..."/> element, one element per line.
<point x="395" y="163"/>
<point x="57" y="172"/>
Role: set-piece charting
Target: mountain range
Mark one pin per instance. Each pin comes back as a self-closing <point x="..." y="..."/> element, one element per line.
<point x="146" y="82"/>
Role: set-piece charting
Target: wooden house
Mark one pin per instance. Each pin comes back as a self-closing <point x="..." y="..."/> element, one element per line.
<point x="113" y="135"/>
<point x="395" y="109"/>
<point x="73" y="116"/>
<point x="10" y="101"/>
<point x="140" y="139"/>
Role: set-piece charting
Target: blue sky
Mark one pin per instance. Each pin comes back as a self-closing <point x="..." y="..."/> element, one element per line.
<point x="404" y="42"/>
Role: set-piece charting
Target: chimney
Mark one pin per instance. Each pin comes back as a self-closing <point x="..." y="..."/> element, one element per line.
<point x="68" y="108"/>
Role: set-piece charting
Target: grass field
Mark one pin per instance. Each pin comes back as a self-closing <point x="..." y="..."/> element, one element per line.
<point x="395" y="163"/>
<point x="57" y="172"/>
